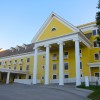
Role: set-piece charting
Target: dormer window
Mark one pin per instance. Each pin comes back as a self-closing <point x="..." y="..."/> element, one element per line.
<point x="53" y="29"/>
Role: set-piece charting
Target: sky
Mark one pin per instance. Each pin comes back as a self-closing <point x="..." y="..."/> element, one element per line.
<point x="21" y="19"/>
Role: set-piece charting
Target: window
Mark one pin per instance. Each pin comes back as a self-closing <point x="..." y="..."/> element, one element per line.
<point x="20" y="67"/>
<point x="65" y="54"/>
<point x="95" y="32"/>
<point x="54" y="76"/>
<point x="81" y="75"/>
<point x="96" y="44"/>
<point x="66" y="76"/>
<point x="54" y="66"/>
<point x="66" y="66"/>
<point x="42" y="77"/>
<point x="27" y="67"/>
<point x="43" y="56"/>
<point x="29" y="77"/>
<point x="0" y="63"/>
<point x="80" y="65"/>
<point x="80" y="53"/>
<point x="43" y="67"/>
<point x="14" y="67"/>
<point x="10" y="61"/>
<point x="9" y="67"/>
<point x="53" y="29"/>
<point x="54" y="57"/>
<point x="97" y="56"/>
<point x="21" y="60"/>
<point x="96" y="74"/>
<point x="15" y="60"/>
<point x="28" y="59"/>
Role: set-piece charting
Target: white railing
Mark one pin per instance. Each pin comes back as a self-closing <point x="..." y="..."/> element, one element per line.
<point x="54" y="58"/>
<point x="25" y="81"/>
<point x="65" y="56"/>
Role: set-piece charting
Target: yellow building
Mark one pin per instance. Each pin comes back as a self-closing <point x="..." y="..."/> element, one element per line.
<point x="59" y="53"/>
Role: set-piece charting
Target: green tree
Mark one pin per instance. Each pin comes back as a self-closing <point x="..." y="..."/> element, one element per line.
<point x="98" y="22"/>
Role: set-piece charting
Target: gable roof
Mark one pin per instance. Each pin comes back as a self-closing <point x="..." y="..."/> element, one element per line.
<point x="46" y="23"/>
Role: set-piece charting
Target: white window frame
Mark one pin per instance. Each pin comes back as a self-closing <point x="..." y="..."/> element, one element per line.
<point x="53" y="75"/>
<point x="94" y="56"/>
<point x="96" y="32"/>
<point x="97" y="44"/>
<point x="68" y="66"/>
<point x="44" y="67"/>
<point x="66" y="57"/>
<point x="66" y="74"/>
<point x="80" y="53"/>
<point x="80" y="65"/>
<point x="52" y="66"/>
<point x="95" y="73"/>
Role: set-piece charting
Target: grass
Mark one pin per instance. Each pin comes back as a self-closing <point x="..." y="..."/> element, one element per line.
<point x="96" y="94"/>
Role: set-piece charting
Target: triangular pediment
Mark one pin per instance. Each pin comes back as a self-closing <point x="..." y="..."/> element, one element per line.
<point x="54" y="26"/>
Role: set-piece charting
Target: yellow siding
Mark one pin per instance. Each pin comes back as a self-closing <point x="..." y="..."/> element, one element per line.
<point x="61" y="29"/>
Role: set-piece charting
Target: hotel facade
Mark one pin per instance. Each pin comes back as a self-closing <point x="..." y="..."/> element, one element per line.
<point x="59" y="53"/>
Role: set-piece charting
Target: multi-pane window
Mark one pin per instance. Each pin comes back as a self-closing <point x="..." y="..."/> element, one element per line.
<point x="14" y="67"/>
<point x="54" y="66"/>
<point x="28" y="59"/>
<point x="66" y="66"/>
<point x="96" y="44"/>
<point x="65" y="54"/>
<point x="54" y="76"/>
<point x="54" y="57"/>
<point x="66" y="76"/>
<point x="95" y="32"/>
<point x="43" y="67"/>
<point x="80" y="65"/>
<point x="27" y="67"/>
<point x="97" y="56"/>
<point x="20" y="67"/>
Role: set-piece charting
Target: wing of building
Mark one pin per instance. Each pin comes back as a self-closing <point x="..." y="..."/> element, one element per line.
<point x="59" y="53"/>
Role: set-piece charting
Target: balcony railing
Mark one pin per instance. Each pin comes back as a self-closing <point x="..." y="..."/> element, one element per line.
<point x="54" y="58"/>
<point x="65" y="56"/>
<point x="20" y="63"/>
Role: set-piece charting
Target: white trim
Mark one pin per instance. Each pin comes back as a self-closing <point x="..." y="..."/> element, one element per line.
<point x="12" y="71"/>
<point x="20" y="56"/>
<point x="49" y="19"/>
<point x="97" y="64"/>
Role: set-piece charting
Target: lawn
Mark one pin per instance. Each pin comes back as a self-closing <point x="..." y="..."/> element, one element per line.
<point x="96" y="94"/>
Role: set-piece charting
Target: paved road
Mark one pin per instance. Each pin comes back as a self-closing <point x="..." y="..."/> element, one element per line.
<point x="37" y="92"/>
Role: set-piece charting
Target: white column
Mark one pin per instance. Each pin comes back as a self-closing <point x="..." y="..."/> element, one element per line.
<point x="8" y="77"/>
<point x="35" y="66"/>
<point x="47" y="65"/>
<point x="77" y="57"/>
<point x="61" y="65"/>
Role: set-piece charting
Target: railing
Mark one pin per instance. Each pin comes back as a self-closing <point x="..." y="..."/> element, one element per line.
<point x="65" y="56"/>
<point x="25" y="81"/>
<point x="54" y="58"/>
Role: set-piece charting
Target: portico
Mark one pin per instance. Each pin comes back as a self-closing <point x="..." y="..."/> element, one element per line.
<point x="77" y="38"/>
<point x="8" y="73"/>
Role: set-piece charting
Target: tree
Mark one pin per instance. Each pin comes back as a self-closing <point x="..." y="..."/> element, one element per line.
<point x="98" y="23"/>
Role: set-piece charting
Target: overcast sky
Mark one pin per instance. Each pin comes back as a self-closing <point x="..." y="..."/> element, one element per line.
<point x="21" y="19"/>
